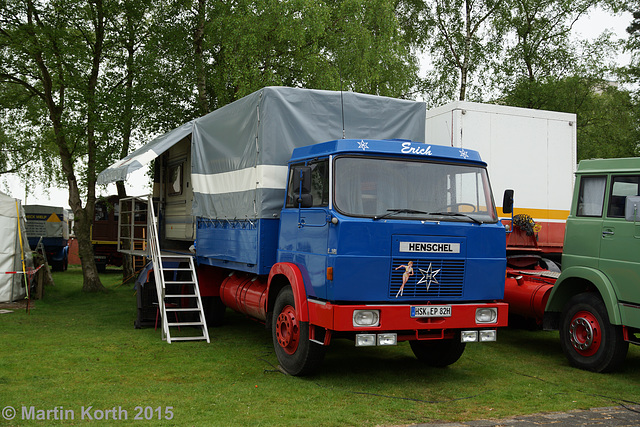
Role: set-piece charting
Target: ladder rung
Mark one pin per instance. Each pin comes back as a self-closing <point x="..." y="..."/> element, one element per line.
<point x="181" y="296"/>
<point x="188" y="338"/>
<point x="178" y="282"/>
<point x="182" y="309"/>
<point x="175" y="269"/>
<point x="186" y="324"/>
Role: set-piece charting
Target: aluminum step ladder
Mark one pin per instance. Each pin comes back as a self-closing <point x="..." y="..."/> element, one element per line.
<point x="179" y="301"/>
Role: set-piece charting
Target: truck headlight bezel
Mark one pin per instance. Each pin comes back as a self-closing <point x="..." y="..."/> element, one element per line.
<point x="486" y="315"/>
<point x="366" y="318"/>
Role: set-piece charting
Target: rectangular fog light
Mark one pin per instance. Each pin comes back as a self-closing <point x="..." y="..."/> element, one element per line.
<point x="387" y="339"/>
<point x="365" y="340"/>
<point x="487" y="336"/>
<point x="469" y="336"/>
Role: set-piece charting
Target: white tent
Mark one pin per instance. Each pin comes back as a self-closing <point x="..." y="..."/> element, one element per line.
<point x="12" y="230"/>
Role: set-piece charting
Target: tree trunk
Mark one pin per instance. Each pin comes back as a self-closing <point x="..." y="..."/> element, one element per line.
<point x="82" y="228"/>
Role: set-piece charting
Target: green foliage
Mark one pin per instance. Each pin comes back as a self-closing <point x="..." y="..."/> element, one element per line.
<point x="608" y="118"/>
<point x="463" y="42"/>
<point x="249" y="44"/>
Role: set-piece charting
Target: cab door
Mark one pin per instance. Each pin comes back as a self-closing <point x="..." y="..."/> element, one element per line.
<point x="584" y="229"/>
<point x="620" y="241"/>
<point x="304" y="226"/>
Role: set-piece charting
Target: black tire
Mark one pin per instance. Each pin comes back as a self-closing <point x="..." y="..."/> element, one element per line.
<point x="296" y="354"/>
<point x="438" y="353"/>
<point x="587" y="337"/>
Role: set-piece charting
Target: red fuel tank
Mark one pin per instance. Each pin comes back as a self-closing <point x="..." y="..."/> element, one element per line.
<point x="527" y="295"/>
<point x="246" y="294"/>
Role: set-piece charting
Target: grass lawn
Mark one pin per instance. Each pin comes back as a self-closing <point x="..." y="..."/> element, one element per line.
<point x="75" y="351"/>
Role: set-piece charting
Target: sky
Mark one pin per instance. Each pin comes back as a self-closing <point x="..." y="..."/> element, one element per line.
<point x="137" y="184"/>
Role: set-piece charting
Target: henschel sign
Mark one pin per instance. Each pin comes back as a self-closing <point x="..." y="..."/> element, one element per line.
<point x="448" y="248"/>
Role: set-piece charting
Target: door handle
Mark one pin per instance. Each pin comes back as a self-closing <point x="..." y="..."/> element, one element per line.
<point x="607" y="233"/>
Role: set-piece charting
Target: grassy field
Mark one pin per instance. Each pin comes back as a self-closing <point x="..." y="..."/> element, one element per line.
<point x="77" y="354"/>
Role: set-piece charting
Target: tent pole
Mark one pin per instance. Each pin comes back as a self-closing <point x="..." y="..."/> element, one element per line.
<point x="24" y="270"/>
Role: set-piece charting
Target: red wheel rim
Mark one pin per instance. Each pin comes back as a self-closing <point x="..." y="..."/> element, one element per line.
<point x="585" y="333"/>
<point x="287" y="330"/>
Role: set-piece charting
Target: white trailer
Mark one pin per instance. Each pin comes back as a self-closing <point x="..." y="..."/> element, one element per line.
<point x="530" y="151"/>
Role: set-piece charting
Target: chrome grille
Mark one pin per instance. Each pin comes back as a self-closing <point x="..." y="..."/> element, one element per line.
<point x="449" y="278"/>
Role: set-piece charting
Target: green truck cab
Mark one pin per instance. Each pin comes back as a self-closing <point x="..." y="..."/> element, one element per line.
<point x="595" y="303"/>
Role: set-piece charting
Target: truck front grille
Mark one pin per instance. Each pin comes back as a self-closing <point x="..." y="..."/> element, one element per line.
<point x="432" y="278"/>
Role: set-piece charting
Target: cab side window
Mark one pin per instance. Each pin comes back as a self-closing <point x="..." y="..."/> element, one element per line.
<point x="591" y="196"/>
<point x="621" y="187"/>
<point x="319" y="184"/>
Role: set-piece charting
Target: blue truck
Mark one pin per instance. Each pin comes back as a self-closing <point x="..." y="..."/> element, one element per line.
<point x="50" y="225"/>
<point x="379" y="239"/>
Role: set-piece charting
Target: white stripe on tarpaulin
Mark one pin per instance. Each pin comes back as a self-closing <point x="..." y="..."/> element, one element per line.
<point x="261" y="176"/>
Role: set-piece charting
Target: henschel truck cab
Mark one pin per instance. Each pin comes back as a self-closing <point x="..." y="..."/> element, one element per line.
<point x="369" y="238"/>
<point x="395" y="241"/>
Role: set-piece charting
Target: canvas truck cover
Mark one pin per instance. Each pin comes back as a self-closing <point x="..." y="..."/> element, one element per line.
<point x="239" y="152"/>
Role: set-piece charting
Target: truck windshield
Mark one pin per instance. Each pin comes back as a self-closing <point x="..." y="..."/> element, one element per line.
<point x="397" y="188"/>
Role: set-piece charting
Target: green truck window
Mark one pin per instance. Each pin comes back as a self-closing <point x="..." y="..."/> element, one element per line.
<point x="621" y="187"/>
<point x="591" y="197"/>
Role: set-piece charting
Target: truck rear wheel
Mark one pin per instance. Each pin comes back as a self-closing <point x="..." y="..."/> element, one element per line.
<point x="296" y="354"/>
<point x="438" y="353"/>
<point x="588" y="340"/>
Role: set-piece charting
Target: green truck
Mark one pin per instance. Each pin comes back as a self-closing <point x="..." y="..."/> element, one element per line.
<point x="595" y="303"/>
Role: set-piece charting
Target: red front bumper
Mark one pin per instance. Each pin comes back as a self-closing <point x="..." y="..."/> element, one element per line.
<point x="397" y="318"/>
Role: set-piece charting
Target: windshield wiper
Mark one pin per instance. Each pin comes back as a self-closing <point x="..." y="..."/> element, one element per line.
<point x="391" y="212"/>
<point x="456" y="214"/>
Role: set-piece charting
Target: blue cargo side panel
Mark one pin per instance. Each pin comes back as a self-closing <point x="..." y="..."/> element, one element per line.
<point x="238" y="244"/>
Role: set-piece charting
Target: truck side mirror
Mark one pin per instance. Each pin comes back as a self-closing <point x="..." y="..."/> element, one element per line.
<point x="632" y="208"/>
<point x="507" y="202"/>
<point x="305" y="200"/>
<point x="302" y="186"/>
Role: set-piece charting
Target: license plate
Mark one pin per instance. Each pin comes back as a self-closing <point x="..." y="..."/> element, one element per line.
<point x="431" y="311"/>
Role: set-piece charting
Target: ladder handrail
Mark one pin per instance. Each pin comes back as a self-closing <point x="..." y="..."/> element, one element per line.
<point x="154" y="251"/>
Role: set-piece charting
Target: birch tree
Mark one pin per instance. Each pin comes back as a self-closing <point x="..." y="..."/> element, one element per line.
<point x="51" y="53"/>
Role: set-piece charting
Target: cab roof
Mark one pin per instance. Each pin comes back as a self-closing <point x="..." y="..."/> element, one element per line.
<point x="392" y="147"/>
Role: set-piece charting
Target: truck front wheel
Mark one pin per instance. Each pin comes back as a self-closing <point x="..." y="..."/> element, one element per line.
<point x="588" y="340"/>
<point x="296" y="354"/>
<point x="438" y="353"/>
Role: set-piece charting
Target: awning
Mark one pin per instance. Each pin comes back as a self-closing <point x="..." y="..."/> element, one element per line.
<point x="143" y="155"/>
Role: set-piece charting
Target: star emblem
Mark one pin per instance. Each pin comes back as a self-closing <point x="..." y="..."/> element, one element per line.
<point x="363" y="145"/>
<point x="428" y="276"/>
<point x="464" y="154"/>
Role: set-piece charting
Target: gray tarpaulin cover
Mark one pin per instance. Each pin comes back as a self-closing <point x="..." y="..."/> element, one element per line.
<point x="239" y="152"/>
